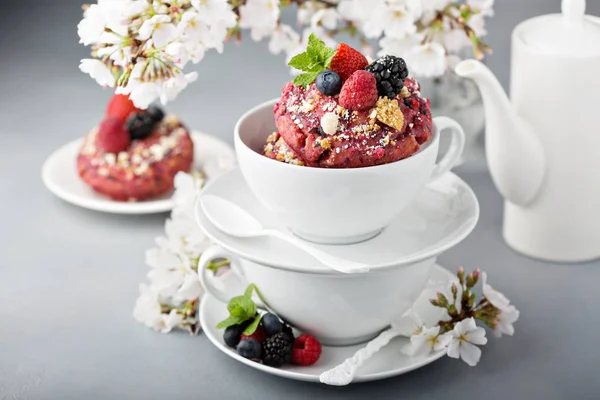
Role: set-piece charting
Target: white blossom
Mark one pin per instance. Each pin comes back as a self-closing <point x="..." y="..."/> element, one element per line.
<point x="147" y="307"/>
<point x="398" y="47"/>
<point x="168" y="321"/>
<point x="409" y="324"/>
<point x="506" y="319"/>
<point x="463" y="340"/>
<point x="425" y="341"/>
<point x="99" y="71"/>
<point x="160" y="28"/>
<point x="173" y="86"/>
<point x="428" y="60"/>
<point x="485" y="6"/>
<point x="261" y="16"/>
<point x="396" y="20"/>
<point x="326" y="17"/>
<point x="306" y="11"/>
<point x="498" y="300"/>
<point x="455" y="40"/>
<point x="189" y="289"/>
<point x="285" y="39"/>
<point x="211" y="11"/>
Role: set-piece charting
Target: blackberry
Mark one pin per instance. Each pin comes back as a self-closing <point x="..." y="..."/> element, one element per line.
<point x="140" y="125"/>
<point x="329" y="83"/>
<point x="249" y="348"/>
<point x="277" y="350"/>
<point x="288" y="330"/>
<point x="155" y="113"/>
<point x="271" y="323"/>
<point x="390" y="73"/>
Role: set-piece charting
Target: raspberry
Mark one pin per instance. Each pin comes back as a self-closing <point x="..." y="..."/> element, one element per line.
<point x="359" y="92"/>
<point x="306" y="351"/>
<point x="260" y="334"/>
<point x="120" y="106"/>
<point x="112" y="136"/>
<point x="347" y="60"/>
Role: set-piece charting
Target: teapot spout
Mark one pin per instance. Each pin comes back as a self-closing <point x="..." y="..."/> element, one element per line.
<point x="514" y="152"/>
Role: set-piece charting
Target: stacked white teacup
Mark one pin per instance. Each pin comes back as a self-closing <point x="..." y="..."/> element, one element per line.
<point x="397" y="218"/>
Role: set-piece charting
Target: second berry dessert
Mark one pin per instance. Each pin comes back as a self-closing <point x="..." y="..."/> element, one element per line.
<point x="133" y="154"/>
<point x="345" y="112"/>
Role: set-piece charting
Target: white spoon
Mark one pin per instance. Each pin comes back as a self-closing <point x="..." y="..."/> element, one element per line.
<point x="233" y="220"/>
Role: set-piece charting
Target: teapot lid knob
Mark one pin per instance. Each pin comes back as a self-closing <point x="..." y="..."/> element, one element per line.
<point x="574" y="11"/>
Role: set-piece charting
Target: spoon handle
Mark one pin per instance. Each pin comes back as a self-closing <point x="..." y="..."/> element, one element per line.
<point x="336" y="263"/>
<point x="343" y="374"/>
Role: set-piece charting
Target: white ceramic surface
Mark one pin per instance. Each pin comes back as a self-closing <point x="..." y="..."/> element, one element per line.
<point x="337" y="205"/>
<point x="443" y="213"/>
<point x="59" y="174"/>
<point x="542" y="152"/>
<point x="386" y="363"/>
<point x="233" y="220"/>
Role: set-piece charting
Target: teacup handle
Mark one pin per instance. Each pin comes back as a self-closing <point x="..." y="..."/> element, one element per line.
<point x="455" y="151"/>
<point x="227" y="286"/>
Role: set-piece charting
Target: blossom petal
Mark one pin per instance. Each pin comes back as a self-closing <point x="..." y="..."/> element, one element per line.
<point x="442" y="341"/>
<point x="98" y="71"/>
<point x="470" y="353"/>
<point x="464" y="326"/>
<point x="164" y="34"/>
<point x="453" y="348"/>
<point x="477" y="336"/>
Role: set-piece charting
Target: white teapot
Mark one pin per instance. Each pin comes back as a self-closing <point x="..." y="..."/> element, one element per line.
<point x="543" y="149"/>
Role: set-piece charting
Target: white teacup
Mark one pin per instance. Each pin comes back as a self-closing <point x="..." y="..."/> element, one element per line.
<point x="337" y="206"/>
<point x="338" y="309"/>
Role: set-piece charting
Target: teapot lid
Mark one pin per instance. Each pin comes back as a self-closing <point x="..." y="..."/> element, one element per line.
<point x="571" y="33"/>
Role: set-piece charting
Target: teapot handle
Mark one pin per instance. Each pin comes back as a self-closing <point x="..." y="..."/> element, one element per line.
<point x="455" y="151"/>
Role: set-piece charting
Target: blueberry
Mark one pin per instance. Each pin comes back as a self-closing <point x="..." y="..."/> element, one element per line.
<point x="288" y="330"/>
<point x="329" y="83"/>
<point x="140" y="125"/>
<point x="271" y="323"/>
<point x="249" y="348"/>
<point x="233" y="334"/>
<point x="155" y="113"/>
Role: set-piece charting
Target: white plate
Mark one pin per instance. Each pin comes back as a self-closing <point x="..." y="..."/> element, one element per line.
<point x="388" y="362"/>
<point x="60" y="176"/>
<point x="441" y="216"/>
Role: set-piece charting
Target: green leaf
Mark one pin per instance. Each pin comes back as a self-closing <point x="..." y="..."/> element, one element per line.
<point x="249" y="308"/>
<point x="327" y="55"/>
<point x="300" y="61"/>
<point x="315" y="44"/>
<point x="305" y="79"/>
<point x="249" y="290"/>
<point x="230" y="321"/>
<point x="252" y="327"/>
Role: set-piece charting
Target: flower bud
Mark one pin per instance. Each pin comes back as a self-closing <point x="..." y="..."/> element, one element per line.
<point x="454" y="289"/>
<point x="461" y="275"/>
<point x="452" y="310"/>
<point x="442" y="299"/>
<point x="435" y="303"/>
<point x="471" y="302"/>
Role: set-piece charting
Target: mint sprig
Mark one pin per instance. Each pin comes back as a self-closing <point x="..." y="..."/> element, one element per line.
<point x="241" y="309"/>
<point x="315" y="59"/>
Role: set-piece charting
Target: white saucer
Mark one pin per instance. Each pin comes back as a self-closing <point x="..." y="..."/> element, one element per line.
<point x="59" y="174"/>
<point x="388" y="362"/>
<point x="441" y="216"/>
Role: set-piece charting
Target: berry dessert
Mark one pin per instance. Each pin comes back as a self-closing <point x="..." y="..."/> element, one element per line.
<point x="265" y="338"/>
<point x="344" y="112"/>
<point x="134" y="155"/>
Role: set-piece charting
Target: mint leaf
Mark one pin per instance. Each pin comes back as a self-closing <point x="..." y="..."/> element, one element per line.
<point x="249" y="290"/>
<point x="253" y="326"/>
<point x="315" y="59"/>
<point x="300" y="61"/>
<point x="230" y="321"/>
<point x="327" y="54"/>
<point x="305" y="79"/>
<point x="315" y="45"/>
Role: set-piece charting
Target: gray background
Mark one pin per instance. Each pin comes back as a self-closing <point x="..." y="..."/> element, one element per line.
<point x="69" y="276"/>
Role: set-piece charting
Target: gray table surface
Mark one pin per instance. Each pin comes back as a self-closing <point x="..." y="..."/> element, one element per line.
<point x="69" y="276"/>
